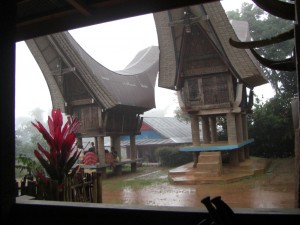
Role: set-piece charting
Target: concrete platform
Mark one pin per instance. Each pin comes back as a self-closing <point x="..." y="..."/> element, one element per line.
<point x="186" y="174"/>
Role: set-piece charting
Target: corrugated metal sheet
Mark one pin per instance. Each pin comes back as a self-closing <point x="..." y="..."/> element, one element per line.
<point x="169" y="127"/>
<point x="171" y="130"/>
<point x="147" y="142"/>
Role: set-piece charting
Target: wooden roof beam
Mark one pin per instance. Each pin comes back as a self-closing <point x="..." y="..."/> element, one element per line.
<point x="80" y="6"/>
<point x="278" y="8"/>
<point x="261" y="43"/>
<point x="282" y="65"/>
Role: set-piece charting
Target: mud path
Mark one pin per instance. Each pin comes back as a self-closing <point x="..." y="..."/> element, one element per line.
<point x="150" y="186"/>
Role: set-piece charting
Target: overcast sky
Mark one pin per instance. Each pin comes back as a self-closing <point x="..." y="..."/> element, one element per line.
<point x="113" y="45"/>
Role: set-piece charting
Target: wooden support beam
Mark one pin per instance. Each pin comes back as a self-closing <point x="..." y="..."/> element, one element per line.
<point x="80" y="6"/>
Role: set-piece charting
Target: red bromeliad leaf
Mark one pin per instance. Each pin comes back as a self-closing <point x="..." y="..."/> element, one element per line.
<point x="50" y="157"/>
<point x="46" y="153"/>
<point x="51" y="126"/>
<point x="72" y="160"/>
<point x="40" y="175"/>
<point x="75" y="125"/>
<point x="57" y="119"/>
<point x="58" y="140"/>
<point x="74" y="170"/>
<point x="53" y="155"/>
<point x="69" y="142"/>
<point x="58" y="160"/>
<point x="65" y="130"/>
<point x="37" y="154"/>
<point x="45" y="164"/>
<point x="44" y="132"/>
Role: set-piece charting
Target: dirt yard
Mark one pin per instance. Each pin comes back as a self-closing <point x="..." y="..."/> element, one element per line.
<point x="150" y="186"/>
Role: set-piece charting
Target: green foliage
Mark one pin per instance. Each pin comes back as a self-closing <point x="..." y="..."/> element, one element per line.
<point x="262" y="26"/>
<point x="26" y="135"/>
<point x="271" y="126"/>
<point x="221" y="128"/>
<point x="172" y="157"/>
<point x="181" y="116"/>
<point x="271" y="123"/>
<point x="28" y="164"/>
<point x="25" y="138"/>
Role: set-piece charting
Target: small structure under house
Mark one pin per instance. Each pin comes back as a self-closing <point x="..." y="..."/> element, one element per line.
<point x="107" y="103"/>
<point x="211" y="78"/>
<point x="158" y="132"/>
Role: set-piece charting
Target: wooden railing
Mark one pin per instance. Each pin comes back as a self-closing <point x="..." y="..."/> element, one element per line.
<point x="82" y="187"/>
<point x="117" y="166"/>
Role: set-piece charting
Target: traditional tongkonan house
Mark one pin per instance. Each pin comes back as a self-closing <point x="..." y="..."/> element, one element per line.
<point x="211" y="78"/>
<point x="107" y="103"/>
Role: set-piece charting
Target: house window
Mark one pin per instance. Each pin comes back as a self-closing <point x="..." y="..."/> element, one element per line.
<point x="193" y="90"/>
<point x="215" y="89"/>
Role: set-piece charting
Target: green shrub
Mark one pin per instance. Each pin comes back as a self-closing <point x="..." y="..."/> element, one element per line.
<point x="172" y="157"/>
<point x="27" y="166"/>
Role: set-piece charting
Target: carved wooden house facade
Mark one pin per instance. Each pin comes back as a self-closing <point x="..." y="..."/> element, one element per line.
<point x="107" y="103"/>
<point x="211" y="78"/>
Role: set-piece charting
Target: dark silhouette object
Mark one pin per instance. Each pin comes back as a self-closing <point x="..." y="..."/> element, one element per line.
<point x="220" y="213"/>
<point x="109" y="158"/>
<point x="92" y="149"/>
<point x="213" y="213"/>
<point x="283" y="10"/>
<point x="225" y="212"/>
<point x="115" y="154"/>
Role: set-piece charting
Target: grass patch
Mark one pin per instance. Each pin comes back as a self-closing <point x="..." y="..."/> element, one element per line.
<point x="132" y="183"/>
<point x="140" y="183"/>
<point x="143" y="178"/>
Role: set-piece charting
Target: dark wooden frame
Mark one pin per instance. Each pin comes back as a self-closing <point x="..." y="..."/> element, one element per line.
<point x="13" y="212"/>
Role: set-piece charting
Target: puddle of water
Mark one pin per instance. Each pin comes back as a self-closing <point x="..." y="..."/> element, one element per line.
<point x="271" y="190"/>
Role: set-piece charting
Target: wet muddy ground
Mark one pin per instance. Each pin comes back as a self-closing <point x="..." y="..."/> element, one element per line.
<point x="150" y="186"/>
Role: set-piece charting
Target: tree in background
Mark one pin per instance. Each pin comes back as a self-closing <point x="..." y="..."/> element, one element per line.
<point x="271" y="126"/>
<point x="181" y="116"/>
<point x="262" y="26"/>
<point x="271" y="123"/>
<point x="26" y="135"/>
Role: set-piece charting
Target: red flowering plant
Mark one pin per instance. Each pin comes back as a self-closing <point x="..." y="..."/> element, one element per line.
<point x="58" y="162"/>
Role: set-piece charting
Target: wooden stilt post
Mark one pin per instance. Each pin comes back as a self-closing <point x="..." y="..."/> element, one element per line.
<point x="97" y="187"/>
<point x="133" y="153"/>
<point x="245" y="133"/>
<point x="297" y="138"/>
<point x="195" y="136"/>
<point x="232" y="138"/>
<point x="213" y="127"/>
<point x="205" y="129"/>
<point x="240" y="135"/>
<point x="100" y="149"/>
<point x="101" y="154"/>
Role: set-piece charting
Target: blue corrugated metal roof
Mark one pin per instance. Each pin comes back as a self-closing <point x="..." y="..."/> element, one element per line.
<point x="149" y="142"/>
<point x="165" y="130"/>
<point x="169" y="127"/>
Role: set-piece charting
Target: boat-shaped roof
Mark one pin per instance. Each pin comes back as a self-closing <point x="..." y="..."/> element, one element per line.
<point x="132" y="87"/>
<point x="212" y="18"/>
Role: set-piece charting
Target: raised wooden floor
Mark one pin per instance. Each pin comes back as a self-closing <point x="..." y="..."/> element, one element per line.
<point x="186" y="174"/>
